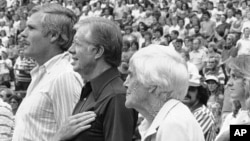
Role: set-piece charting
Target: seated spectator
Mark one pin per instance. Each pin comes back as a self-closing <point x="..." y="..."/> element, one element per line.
<point x="5" y="84"/>
<point x="178" y="45"/>
<point x="192" y="69"/>
<point x="207" y="26"/>
<point x="158" y="36"/>
<point x="5" y="66"/>
<point x="222" y="29"/>
<point x="188" y="43"/>
<point x="147" y="39"/>
<point x="5" y="94"/>
<point x="243" y="44"/>
<point x="197" y="55"/>
<point x="229" y="50"/>
<point x="22" y="69"/>
<point x="174" y="35"/>
<point x="237" y="25"/>
<point x="212" y="67"/>
<point x="14" y="102"/>
<point x="212" y="51"/>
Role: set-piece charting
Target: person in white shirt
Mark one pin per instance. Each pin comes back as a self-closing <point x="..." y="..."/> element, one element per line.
<point x="155" y="89"/>
<point x="243" y="44"/>
<point x="55" y="88"/>
<point x="197" y="55"/>
<point x="5" y="66"/>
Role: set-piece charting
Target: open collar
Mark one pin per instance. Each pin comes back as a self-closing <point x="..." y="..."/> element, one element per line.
<point x="162" y="114"/>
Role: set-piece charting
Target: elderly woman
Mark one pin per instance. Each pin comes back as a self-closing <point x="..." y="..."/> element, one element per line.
<point x="239" y="86"/>
<point x="157" y="82"/>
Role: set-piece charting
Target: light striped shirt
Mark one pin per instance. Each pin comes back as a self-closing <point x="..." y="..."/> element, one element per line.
<point x="6" y="121"/>
<point x="52" y="94"/>
<point x="207" y="122"/>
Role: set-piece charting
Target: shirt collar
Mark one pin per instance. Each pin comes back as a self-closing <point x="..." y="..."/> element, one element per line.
<point x="48" y="66"/>
<point x="150" y="129"/>
<point x="99" y="83"/>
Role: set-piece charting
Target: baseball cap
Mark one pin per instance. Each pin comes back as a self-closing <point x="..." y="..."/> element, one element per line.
<point x="212" y="77"/>
<point x="194" y="80"/>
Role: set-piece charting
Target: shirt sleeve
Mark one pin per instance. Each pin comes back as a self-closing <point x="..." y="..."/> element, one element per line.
<point x="66" y="92"/>
<point x="119" y="122"/>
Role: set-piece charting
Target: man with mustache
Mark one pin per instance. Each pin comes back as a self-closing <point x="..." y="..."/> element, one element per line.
<point x="196" y="99"/>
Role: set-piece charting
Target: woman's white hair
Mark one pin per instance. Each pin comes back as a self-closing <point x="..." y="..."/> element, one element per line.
<point x="163" y="67"/>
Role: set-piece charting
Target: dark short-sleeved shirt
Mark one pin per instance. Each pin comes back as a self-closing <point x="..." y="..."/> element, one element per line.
<point x="114" y="122"/>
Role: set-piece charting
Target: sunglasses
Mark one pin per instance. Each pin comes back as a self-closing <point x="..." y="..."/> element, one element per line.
<point x="192" y="88"/>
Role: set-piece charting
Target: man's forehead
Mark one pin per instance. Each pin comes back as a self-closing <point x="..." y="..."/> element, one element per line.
<point x="82" y="33"/>
<point x="35" y="18"/>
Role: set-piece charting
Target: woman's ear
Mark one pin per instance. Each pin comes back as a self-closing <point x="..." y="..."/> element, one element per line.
<point x="152" y="89"/>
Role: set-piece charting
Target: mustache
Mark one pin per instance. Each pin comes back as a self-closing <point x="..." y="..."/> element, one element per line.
<point x="188" y="96"/>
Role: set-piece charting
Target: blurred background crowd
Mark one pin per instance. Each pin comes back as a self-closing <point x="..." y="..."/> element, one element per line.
<point x="206" y="32"/>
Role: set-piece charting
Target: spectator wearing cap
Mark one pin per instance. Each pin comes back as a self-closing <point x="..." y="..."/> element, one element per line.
<point x="215" y="101"/>
<point x="196" y="99"/>
<point x="212" y="67"/>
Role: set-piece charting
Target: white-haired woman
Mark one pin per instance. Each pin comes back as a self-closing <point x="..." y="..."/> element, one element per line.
<point x="239" y="86"/>
<point x="156" y="84"/>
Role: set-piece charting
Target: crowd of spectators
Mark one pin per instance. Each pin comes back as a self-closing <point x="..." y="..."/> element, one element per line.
<point x="206" y="32"/>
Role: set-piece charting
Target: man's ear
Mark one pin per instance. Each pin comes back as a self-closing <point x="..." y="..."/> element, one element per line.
<point x="53" y="37"/>
<point x="99" y="52"/>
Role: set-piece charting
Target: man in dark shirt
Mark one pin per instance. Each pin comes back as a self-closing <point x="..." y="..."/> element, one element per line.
<point x="96" y="53"/>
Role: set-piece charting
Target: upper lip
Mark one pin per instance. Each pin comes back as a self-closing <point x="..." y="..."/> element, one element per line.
<point x="74" y="58"/>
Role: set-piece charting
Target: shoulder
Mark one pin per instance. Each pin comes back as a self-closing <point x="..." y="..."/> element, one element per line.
<point x="115" y="86"/>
